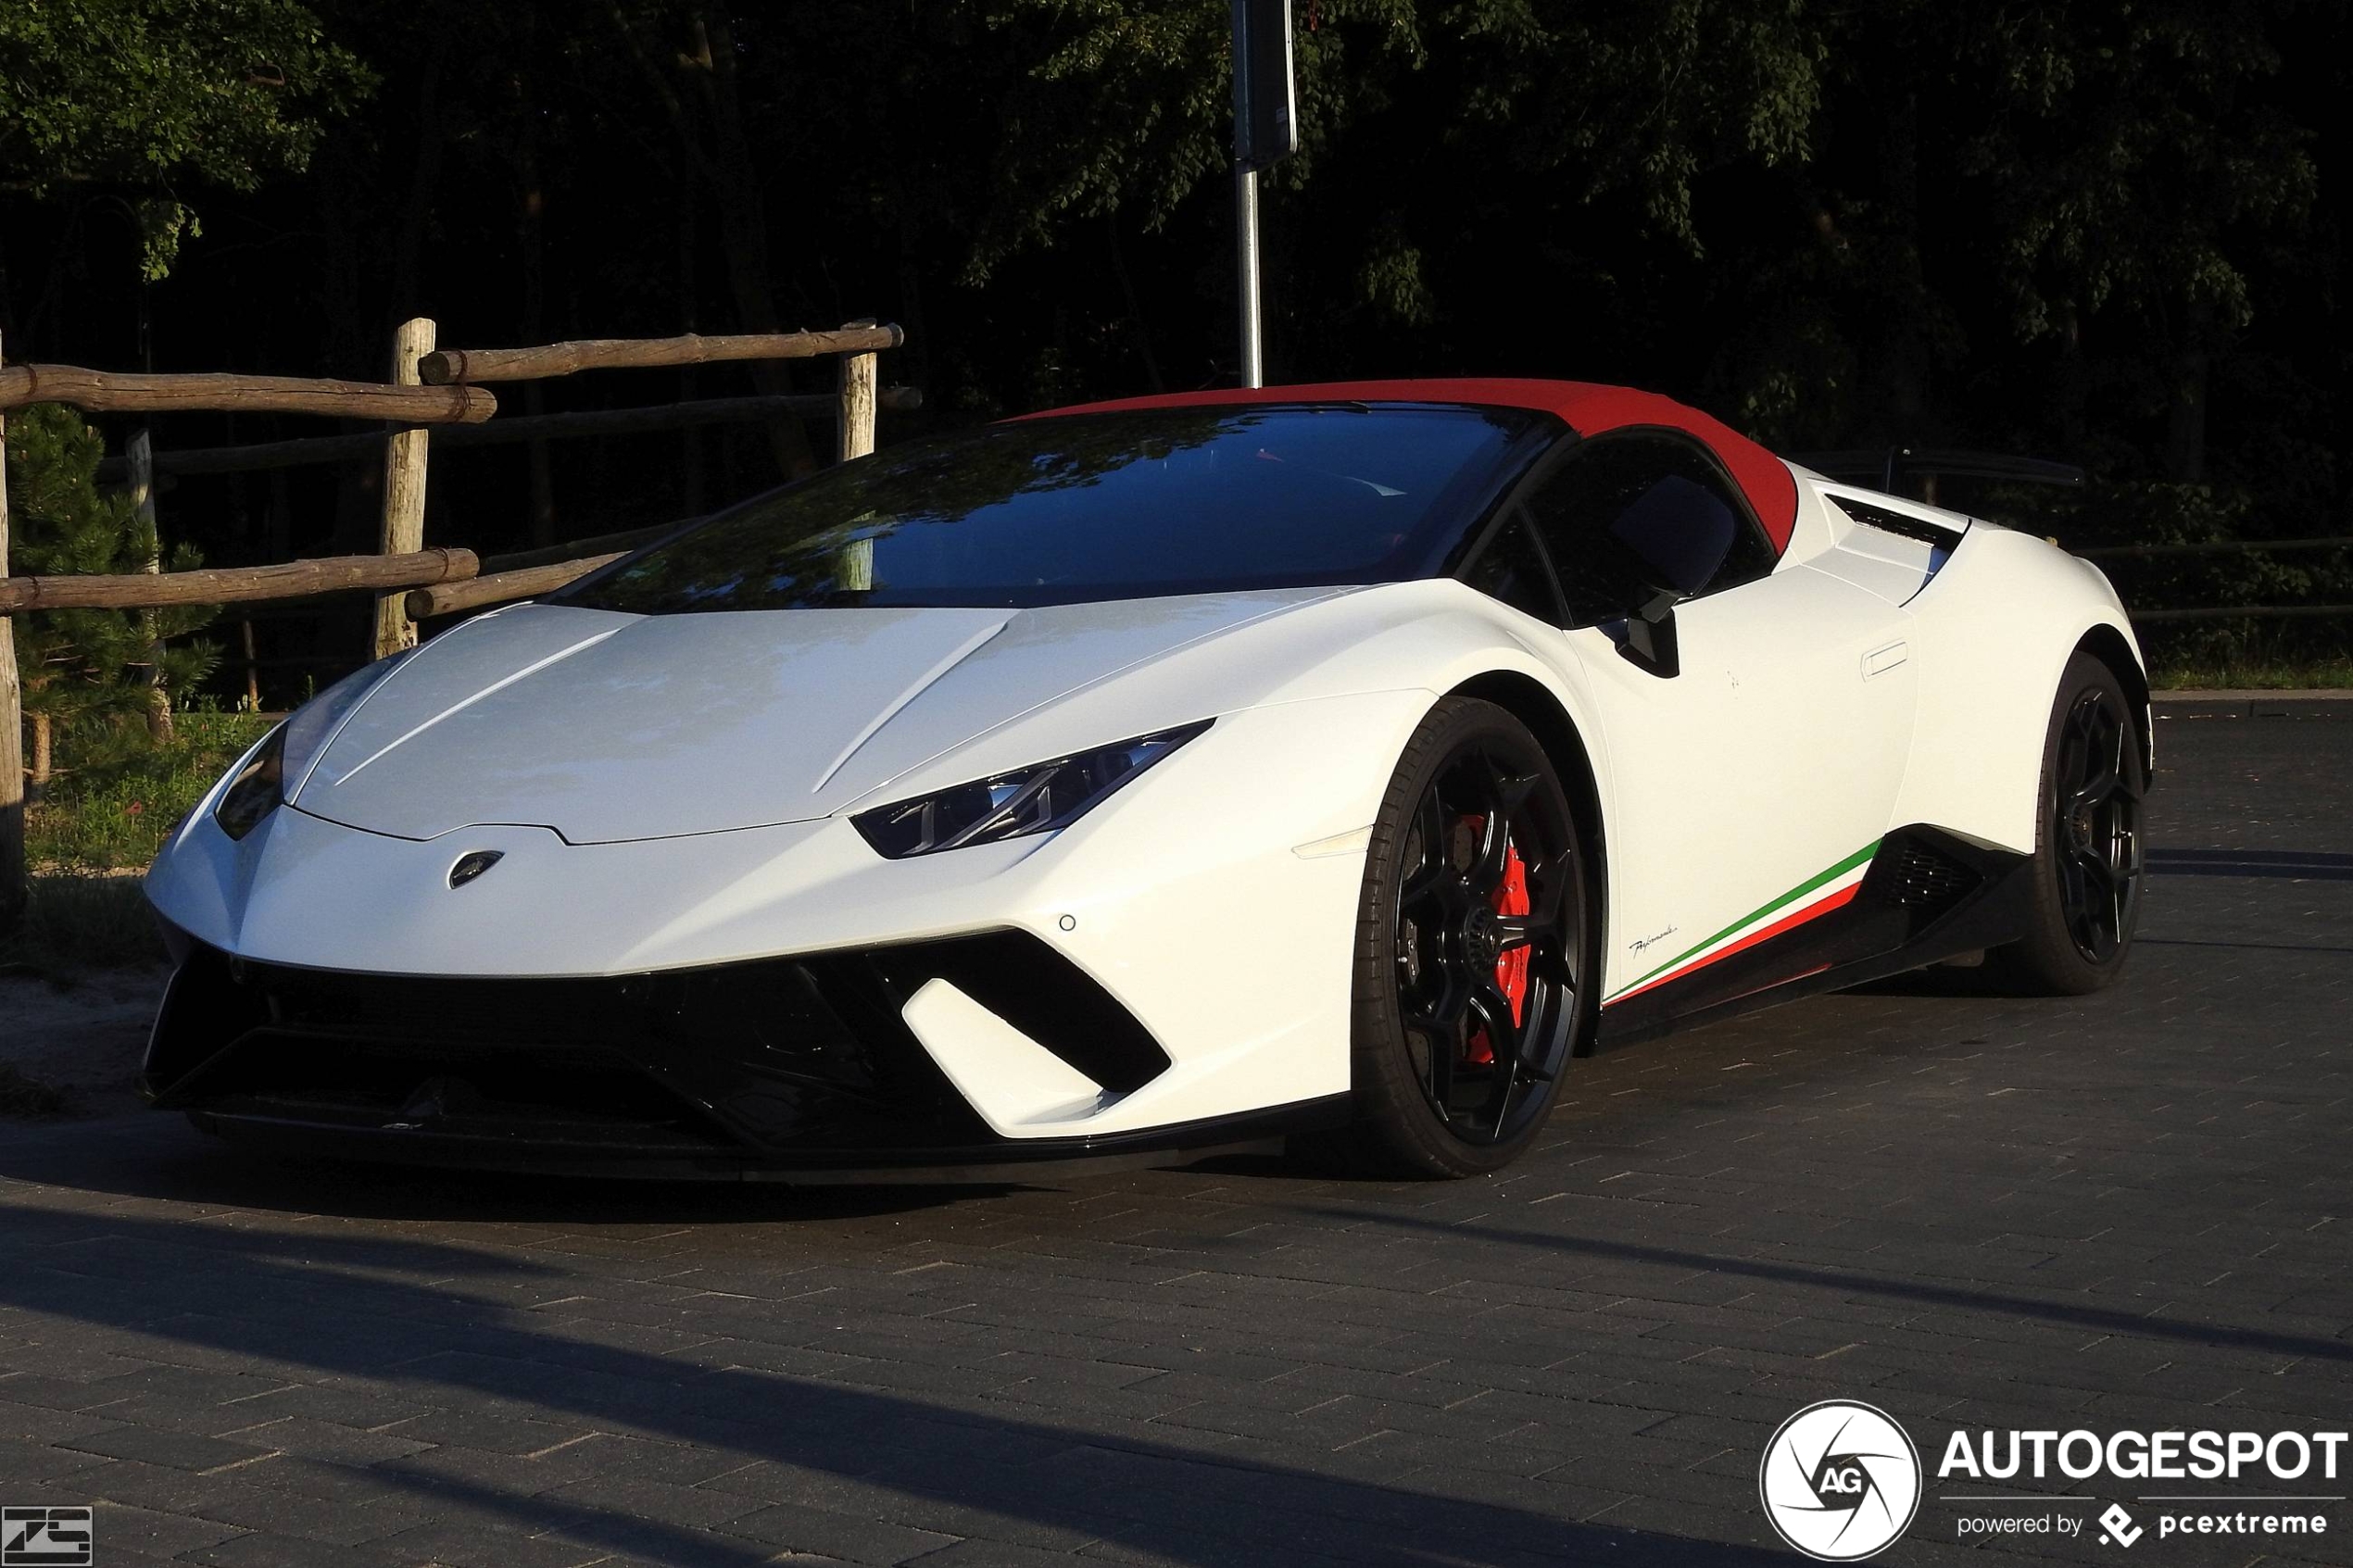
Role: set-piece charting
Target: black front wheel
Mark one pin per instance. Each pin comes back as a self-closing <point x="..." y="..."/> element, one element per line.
<point x="1474" y="967"/>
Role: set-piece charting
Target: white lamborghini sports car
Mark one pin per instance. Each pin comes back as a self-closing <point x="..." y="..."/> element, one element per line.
<point x="1153" y="776"/>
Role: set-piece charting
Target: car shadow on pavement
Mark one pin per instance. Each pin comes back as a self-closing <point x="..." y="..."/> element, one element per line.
<point x="154" y="1154"/>
<point x="418" y="1318"/>
<point x="2293" y="865"/>
<point x="1848" y="1281"/>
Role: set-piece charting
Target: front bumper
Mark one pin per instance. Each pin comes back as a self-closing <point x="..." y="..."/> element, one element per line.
<point x="796" y="1069"/>
<point x="1213" y="902"/>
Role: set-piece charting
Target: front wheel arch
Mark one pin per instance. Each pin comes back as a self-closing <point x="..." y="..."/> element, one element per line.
<point x="1526" y="700"/>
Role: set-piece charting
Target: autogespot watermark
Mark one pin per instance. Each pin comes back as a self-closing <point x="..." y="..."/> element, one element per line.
<point x="1839" y="1481"/>
<point x="2225" y="1460"/>
<point x="1842" y="1481"/>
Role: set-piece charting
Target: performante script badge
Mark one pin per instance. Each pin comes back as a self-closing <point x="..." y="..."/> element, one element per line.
<point x="1841" y="1481"/>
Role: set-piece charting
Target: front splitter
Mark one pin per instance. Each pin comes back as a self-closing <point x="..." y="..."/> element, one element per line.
<point x="1010" y="1163"/>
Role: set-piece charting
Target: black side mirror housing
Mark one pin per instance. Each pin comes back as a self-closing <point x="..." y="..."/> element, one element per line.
<point x="1649" y="643"/>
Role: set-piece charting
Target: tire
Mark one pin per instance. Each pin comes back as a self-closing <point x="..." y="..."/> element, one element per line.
<point x="2090" y="855"/>
<point x="1437" y="926"/>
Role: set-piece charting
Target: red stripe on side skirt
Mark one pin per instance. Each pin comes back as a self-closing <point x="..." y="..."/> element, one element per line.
<point x="1821" y="907"/>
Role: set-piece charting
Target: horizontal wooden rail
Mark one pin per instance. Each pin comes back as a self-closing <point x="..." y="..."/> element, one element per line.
<point x="449" y="598"/>
<point x="2211" y="547"/>
<point x="2231" y="612"/>
<point x="578" y="549"/>
<point x="238" y="584"/>
<point x="369" y="445"/>
<point x="110" y="392"/>
<point x="453" y="366"/>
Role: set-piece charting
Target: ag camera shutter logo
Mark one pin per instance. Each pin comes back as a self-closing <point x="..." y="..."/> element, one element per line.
<point x="1841" y="1481"/>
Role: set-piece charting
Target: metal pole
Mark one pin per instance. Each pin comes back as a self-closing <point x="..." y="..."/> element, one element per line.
<point x="1246" y="257"/>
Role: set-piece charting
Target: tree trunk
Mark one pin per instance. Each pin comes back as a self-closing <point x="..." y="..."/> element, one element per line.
<point x="1135" y="306"/>
<point x="2074" y="392"/>
<point x="44" y="757"/>
<point x="2185" y="429"/>
<point x="142" y="502"/>
<point x="12" y="868"/>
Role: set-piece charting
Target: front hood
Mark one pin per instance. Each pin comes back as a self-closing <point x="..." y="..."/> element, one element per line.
<point x="606" y="727"/>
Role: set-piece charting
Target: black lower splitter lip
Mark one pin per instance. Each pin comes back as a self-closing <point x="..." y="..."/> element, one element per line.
<point x="1009" y="1160"/>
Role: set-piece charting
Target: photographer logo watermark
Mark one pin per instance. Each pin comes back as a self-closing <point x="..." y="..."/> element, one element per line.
<point x="2186" y="1482"/>
<point x="44" y="1538"/>
<point x="1839" y="1481"/>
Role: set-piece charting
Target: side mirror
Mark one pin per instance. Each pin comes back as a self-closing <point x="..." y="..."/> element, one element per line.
<point x="1649" y="643"/>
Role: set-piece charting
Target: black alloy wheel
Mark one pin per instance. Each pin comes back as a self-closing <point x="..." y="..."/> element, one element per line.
<point x="1472" y="976"/>
<point x="2090" y="854"/>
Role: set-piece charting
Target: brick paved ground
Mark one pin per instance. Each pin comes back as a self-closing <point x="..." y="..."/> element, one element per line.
<point x="2130" y="1211"/>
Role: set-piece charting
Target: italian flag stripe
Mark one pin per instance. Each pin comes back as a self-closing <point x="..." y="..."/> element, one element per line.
<point x="1792" y="908"/>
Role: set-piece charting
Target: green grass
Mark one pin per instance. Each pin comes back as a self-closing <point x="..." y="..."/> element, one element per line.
<point x="99" y="822"/>
<point x="116" y="796"/>
<point x="2255" y="674"/>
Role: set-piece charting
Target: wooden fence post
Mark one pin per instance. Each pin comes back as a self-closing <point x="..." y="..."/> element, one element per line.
<point x="141" y="452"/>
<point x="12" y="868"/>
<point x="253" y="670"/>
<point x="404" y="520"/>
<point x="860" y="375"/>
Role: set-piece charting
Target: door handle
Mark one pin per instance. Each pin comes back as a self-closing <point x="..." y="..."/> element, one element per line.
<point x="1880" y="661"/>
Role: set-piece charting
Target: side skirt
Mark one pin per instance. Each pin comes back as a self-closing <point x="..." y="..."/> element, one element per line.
<point x="1926" y="895"/>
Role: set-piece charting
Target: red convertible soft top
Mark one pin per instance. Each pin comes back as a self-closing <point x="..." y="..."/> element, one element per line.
<point x="1586" y="407"/>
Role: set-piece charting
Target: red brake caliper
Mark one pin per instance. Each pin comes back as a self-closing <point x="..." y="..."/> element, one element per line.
<point x="1511" y="969"/>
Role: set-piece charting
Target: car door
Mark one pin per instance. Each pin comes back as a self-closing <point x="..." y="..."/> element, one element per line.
<point x="1755" y="766"/>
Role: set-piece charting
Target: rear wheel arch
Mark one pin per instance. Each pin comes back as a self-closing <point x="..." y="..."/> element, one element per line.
<point x="1527" y="700"/>
<point x="2109" y="646"/>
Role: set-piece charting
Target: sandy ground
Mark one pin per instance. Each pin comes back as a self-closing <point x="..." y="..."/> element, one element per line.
<point x="84" y="1039"/>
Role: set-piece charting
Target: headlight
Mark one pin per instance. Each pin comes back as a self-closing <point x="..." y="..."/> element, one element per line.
<point x="1028" y="800"/>
<point x="273" y="771"/>
<point x="257" y="789"/>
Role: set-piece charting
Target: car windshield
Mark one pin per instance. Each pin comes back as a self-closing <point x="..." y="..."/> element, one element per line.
<point x="1086" y="506"/>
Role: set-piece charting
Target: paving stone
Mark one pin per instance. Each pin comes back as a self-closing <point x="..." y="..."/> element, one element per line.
<point x="468" y="1545"/>
<point x="832" y="1535"/>
<point x="478" y="1429"/>
<point x="181" y="1450"/>
<point x="116" y="1529"/>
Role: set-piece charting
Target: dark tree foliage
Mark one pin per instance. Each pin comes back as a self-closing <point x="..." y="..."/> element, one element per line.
<point x="2107" y="232"/>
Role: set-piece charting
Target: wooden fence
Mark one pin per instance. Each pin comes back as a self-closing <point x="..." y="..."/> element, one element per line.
<point x="434" y="398"/>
